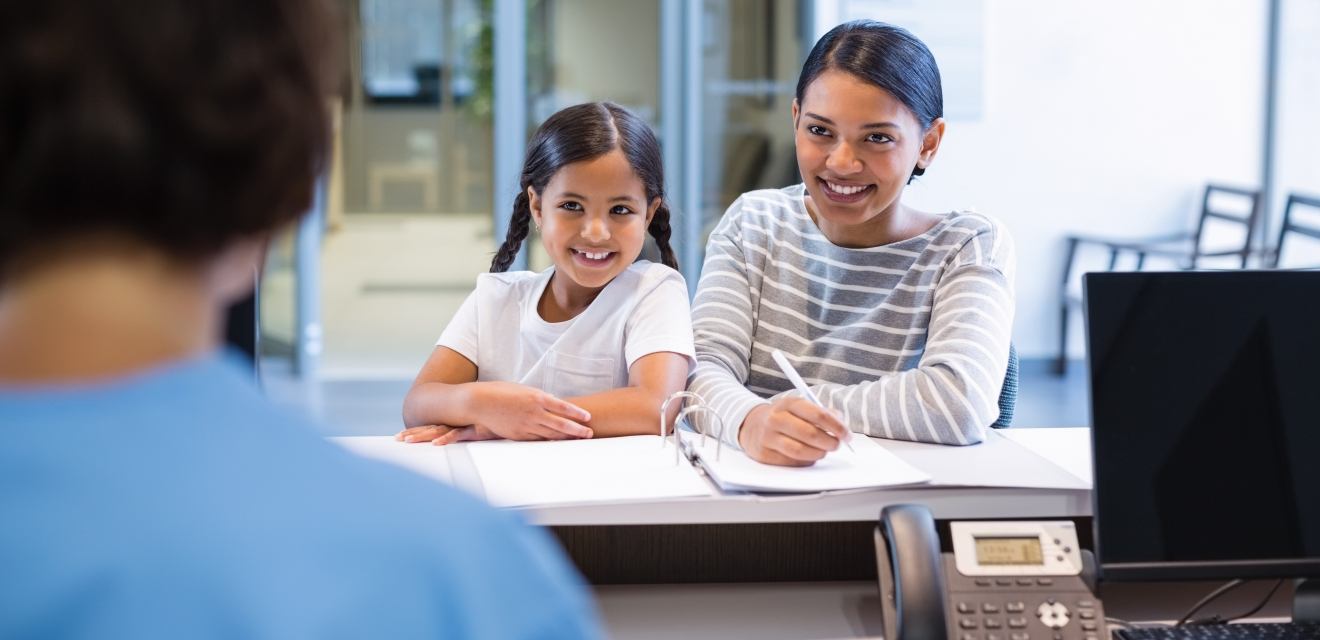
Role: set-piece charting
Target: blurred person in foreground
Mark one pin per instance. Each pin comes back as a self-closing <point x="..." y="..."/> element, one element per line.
<point x="148" y="152"/>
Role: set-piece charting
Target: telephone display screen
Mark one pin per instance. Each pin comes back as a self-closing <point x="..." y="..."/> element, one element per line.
<point x="1000" y="551"/>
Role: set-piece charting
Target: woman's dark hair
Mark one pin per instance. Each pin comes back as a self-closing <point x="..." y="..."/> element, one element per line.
<point x="584" y="132"/>
<point x="883" y="55"/>
<point x="181" y="126"/>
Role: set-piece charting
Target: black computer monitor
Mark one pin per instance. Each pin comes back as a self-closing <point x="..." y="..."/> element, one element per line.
<point x="1205" y="415"/>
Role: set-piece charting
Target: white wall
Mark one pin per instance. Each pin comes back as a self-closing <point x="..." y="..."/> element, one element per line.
<point x="1297" y="154"/>
<point x="1103" y="118"/>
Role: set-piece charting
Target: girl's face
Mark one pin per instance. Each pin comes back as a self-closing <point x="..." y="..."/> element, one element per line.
<point x="856" y="146"/>
<point x="593" y="217"/>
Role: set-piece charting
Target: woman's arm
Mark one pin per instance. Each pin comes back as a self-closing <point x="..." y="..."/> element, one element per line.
<point x="723" y="321"/>
<point x="789" y="431"/>
<point x="952" y="395"/>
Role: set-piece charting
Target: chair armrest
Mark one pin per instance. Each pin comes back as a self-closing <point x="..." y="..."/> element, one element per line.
<point x="1134" y="244"/>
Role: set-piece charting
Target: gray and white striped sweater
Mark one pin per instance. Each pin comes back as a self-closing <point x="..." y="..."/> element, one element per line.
<point x="908" y="340"/>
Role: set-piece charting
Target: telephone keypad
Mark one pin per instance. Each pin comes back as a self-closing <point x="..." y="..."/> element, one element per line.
<point x="1042" y="608"/>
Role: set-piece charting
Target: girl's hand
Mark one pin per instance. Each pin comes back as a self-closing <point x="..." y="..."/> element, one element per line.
<point x="441" y="435"/>
<point x="791" y="431"/>
<point x="519" y="412"/>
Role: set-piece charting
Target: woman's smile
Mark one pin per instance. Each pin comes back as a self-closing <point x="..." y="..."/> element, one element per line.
<point x="844" y="193"/>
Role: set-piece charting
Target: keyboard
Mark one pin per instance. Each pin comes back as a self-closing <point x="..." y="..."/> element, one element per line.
<point x="1279" y="631"/>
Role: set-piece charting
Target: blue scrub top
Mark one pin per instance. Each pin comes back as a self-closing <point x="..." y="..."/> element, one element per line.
<point x="178" y="503"/>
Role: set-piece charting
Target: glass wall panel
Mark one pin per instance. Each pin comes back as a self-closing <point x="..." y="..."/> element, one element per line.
<point x="408" y="197"/>
<point x="751" y="55"/>
<point x="587" y="50"/>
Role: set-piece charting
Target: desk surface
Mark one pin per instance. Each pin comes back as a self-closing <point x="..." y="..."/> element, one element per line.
<point x="1025" y="473"/>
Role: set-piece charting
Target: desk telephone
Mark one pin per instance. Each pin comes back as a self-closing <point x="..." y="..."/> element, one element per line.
<point x="1003" y="581"/>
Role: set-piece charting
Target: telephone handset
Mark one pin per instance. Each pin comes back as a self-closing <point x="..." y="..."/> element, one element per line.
<point x="1003" y="581"/>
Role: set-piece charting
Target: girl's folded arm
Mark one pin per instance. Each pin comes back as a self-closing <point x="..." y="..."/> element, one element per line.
<point x="635" y="409"/>
<point x="439" y="395"/>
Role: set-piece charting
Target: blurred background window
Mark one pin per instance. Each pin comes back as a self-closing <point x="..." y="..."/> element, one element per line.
<point x="1102" y="119"/>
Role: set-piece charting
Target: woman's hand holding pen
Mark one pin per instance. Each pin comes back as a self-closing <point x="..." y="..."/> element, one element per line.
<point x="508" y="410"/>
<point x="791" y="431"/>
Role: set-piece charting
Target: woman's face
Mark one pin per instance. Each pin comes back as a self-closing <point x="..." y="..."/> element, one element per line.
<point x="856" y="147"/>
<point x="593" y="217"/>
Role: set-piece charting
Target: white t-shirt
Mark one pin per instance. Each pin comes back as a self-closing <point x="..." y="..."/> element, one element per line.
<point x="644" y="310"/>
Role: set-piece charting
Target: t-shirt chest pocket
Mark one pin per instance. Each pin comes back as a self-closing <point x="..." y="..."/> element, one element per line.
<point x="568" y="375"/>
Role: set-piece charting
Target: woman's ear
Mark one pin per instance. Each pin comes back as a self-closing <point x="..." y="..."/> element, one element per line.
<point x="797" y="111"/>
<point x="534" y="204"/>
<point x="930" y="143"/>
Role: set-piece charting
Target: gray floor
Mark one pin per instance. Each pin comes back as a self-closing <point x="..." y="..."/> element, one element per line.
<point x="372" y="407"/>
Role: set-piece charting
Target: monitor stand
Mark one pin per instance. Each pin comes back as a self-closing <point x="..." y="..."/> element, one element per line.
<point x="1306" y="601"/>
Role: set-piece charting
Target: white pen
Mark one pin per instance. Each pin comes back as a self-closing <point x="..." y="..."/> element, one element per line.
<point x="782" y="361"/>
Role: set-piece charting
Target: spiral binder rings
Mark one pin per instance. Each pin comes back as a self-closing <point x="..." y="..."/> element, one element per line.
<point x="868" y="465"/>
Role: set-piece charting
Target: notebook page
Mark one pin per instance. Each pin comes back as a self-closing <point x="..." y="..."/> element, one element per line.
<point x="516" y="474"/>
<point x="869" y="466"/>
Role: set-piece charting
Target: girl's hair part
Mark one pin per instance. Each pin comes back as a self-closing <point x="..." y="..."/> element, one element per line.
<point x="576" y="134"/>
<point x="885" y="56"/>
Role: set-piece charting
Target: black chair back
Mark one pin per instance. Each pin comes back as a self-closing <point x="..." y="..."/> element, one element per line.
<point x="1210" y="211"/>
<point x="1292" y="226"/>
<point x="1009" y="392"/>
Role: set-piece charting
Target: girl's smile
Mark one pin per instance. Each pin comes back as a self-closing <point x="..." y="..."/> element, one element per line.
<point x="593" y="216"/>
<point x="593" y="259"/>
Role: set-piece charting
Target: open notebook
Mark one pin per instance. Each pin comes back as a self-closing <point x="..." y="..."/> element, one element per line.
<point x="517" y="474"/>
<point x="866" y="465"/>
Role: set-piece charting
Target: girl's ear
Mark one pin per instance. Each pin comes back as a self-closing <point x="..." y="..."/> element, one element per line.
<point x="930" y="143"/>
<point x="797" y="111"/>
<point x="651" y="209"/>
<point x="534" y="203"/>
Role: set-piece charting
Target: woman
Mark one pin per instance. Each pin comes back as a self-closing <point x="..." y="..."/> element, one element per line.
<point x="899" y="319"/>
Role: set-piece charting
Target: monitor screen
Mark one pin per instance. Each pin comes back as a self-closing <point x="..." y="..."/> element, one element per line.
<point x="1205" y="414"/>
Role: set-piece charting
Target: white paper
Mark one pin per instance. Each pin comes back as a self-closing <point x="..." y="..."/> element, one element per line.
<point x="631" y="468"/>
<point x="869" y="466"/>
<point x="996" y="462"/>
<point x="1067" y="447"/>
<point x="423" y="458"/>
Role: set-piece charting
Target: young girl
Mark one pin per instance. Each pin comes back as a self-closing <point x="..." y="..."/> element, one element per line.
<point x="592" y="345"/>
<point x="899" y="319"/>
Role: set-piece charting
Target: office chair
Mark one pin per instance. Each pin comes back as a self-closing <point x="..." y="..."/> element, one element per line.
<point x="1008" y="393"/>
<point x="1294" y="226"/>
<point x="1184" y="249"/>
